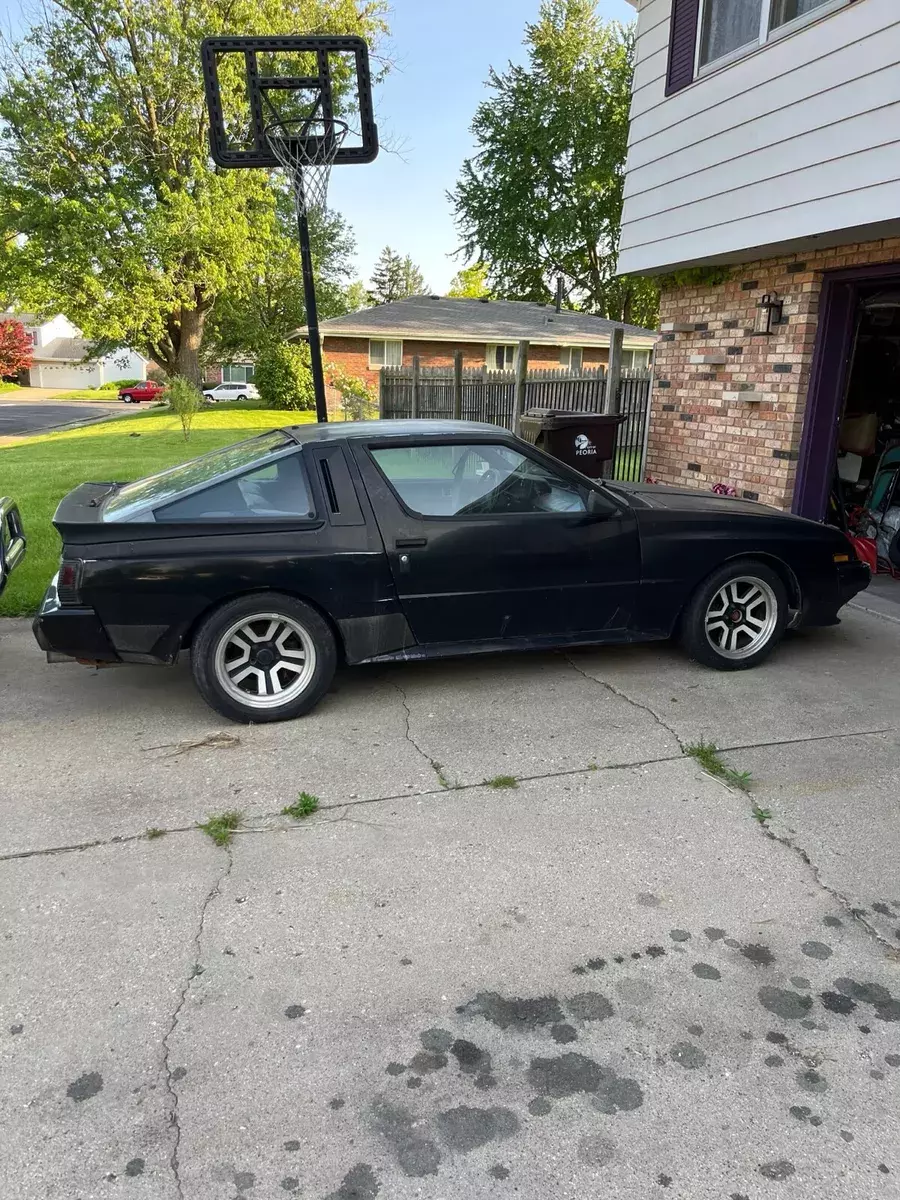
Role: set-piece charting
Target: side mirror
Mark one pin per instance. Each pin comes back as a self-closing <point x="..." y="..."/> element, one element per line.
<point x="599" y="506"/>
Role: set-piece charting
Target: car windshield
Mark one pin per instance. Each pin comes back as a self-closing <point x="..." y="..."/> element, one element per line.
<point x="157" y="489"/>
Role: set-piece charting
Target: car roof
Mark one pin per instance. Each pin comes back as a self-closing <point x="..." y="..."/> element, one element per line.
<point x="339" y="430"/>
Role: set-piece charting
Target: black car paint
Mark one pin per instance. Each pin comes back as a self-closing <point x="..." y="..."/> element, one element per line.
<point x="396" y="585"/>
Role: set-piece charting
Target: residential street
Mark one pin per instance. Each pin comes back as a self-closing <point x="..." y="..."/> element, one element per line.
<point x="38" y="416"/>
<point x="610" y="981"/>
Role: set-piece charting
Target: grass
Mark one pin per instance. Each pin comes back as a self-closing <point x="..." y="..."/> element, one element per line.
<point x="502" y="781"/>
<point x="153" y="833"/>
<point x="38" y="471"/>
<point x="221" y="826"/>
<point x="762" y="815"/>
<point x="9" y="387"/>
<point x="707" y="755"/>
<point x="304" y="806"/>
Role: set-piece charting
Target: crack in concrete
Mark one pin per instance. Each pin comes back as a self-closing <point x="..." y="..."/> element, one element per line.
<point x="628" y="700"/>
<point x="196" y="970"/>
<point x="437" y="767"/>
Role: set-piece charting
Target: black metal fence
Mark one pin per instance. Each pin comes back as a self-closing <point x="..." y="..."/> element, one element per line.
<point x="477" y="394"/>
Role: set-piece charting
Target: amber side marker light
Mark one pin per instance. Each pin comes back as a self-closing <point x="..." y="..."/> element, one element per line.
<point x="839" y="558"/>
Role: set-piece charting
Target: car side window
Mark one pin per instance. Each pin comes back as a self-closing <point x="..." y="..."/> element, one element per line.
<point x="277" y="490"/>
<point x="455" y="480"/>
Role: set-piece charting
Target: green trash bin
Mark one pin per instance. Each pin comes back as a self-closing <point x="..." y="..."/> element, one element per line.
<point x="585" y="441"/>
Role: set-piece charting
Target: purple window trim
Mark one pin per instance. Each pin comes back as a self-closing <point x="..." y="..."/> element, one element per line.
<point x="682" y="44"/>
<point x="828" y="382"/>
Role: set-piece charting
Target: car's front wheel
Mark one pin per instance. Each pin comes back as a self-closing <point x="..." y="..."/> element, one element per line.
<point x="266" y="657"/>
<point x="127" y="398"/>
<point x="736" y="617"/>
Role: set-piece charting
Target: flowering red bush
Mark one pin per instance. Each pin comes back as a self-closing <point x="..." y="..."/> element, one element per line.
<point x="15" y="349"/>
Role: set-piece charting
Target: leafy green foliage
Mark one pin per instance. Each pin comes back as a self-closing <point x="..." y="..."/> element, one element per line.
<point x="696" y="277"/>
<point x="185" y="401"/>
<point x="284" y="378"/>
<point x="761" y="815"/>
<point x="153" y="833"/>
<point x="221" y="826"/>
<point x="110" y="209"/>
<point x="395" y="278"/>
<point x="502" y="781"/>
<point x="542" y="197"/>
<point x="359" y="399"/>
<point x="707" y="755"/>
<point x="471" y="283"/>
<point x="304" y="806"/>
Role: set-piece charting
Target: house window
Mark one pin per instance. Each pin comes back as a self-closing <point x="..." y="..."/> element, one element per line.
<point x="385" y="354"/>
<point x="731" y="28"/>
<point x="238" y="373"/>
<point x="635" y="360"/>
<point x="571" y="358"/>
<point x="501" y="358"/>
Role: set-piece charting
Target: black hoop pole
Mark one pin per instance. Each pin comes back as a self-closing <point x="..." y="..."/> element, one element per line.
<point x="312" y="315"/>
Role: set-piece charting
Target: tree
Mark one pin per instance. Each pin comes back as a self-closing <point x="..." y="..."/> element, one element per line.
<point x="284" y="378"/>
<point x="15" y="349"/>
<point x="542" y="197"/>
<point x="471" y="283"/>
<point x="117" y="215"/>
<point x="356" y="297"/>
<point x="395" y="278"/>
<point x="185" y="401"/>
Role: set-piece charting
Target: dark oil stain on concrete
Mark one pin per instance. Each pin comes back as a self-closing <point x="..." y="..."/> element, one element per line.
<point x="337" y="1103"/>
<point x="619" y="958"/>
<point x="876" y="1074"/>
<point x="865" y="993"/>
<point x="617" y="1094"/>
<point x="892" y="1060"/>
<point x="14" y="1029"/>
<point x="565" y="1075"/>
<point x="564" y="1034"/>
<point x="648" y="900"/>
<point x="635" y="954"/>
<point x="437" y="1040"/>
<point x="801" y="982"/>
<point x="414" y="1081"/>
<point x="776" y="1038"/>
<point x="498" y="1171"/>
<point x="596" y="964"/>
<point x="244" y="1180"/>
<point x="579" y="970"/>
<point x="780" y="1169"/>
<point x="509" y="1013"/>
<point x="801" y="1112"/>
<point x="465" y="1129"/>
<point x="406" y="962"/>
<point x="812" y="1081"/>
<point x="889" y="1010"/>
<point x="832" y="922"/>
<point x="655" y="951"/>
<point x="836" y="1003"/>
<point x="472" y="1060"/>
<point x="687" y="1055"/>
<point x="819" y="950"/>
<point x="846" y="1135"/>
<point x="290" y="1183"/>
<point x="416" y="1153"/>
<point x="85" y="1086"/>
<point x="884" y="1168"/>
<point x="774" y="1061"/>
<point x="292" y="1145"/>
<point x="540" y="1107"/>
<point x="595" y="1150"/>
<point x="759" y="955"/>
<point x="714" y="934"/>
<point x="882" y="909"/>
<point x="664" y="1180"/>
<point x="134" y="1167"/>
<point x="426" y="1062"/>
<point x="679" y="935"/>
<point x="705" y="971"/>
<point x="589" y="1006"/>
<point x="864" y="1029"/>
<point x="395" y="1068"/>
<point x="695" y="1030"/>
<point x="790" y="1006"/>
<point x="733" y="943"/>
<point x="738" y="1196"/>
<point x="293" y="1011"/>
<point x="359" y="1183"/>
<point x="178" y="1074"/>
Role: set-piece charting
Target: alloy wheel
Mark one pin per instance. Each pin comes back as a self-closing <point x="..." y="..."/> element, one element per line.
<point x="265" y="660"/>
<point x="741" y="617"/>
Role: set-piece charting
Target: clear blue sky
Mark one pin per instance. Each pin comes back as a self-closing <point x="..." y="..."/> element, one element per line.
<point x="444" y="50"/>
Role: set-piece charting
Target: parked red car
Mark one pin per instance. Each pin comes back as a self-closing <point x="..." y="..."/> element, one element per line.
<point x="135" y="393"/>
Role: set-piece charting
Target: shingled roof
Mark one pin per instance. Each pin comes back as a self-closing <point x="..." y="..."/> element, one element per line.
<point x="480" y="321"/>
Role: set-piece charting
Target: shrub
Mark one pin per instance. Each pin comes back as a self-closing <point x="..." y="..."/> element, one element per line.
<point x="184" y="400"/>
<point x="15" y="349"/>
<point x="359" y="399"/>
<point x="113" y="385"/>
<point x="284" y="378"/>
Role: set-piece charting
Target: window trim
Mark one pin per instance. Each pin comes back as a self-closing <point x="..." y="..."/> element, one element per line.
<point x="569" y="351"/>
<point x="530" y="453"/>
<point x="764" y="37"/>
<point x="374" y="366"/>
<point x="494" y="346"/>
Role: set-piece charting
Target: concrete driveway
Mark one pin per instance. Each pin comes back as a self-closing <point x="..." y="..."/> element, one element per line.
<point x="608" y="981"/>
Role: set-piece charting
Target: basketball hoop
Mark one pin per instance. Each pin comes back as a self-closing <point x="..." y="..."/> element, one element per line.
<point x="306" y="150"/>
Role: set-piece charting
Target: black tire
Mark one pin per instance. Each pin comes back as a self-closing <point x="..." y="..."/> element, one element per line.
<point x="128" y="398"/>
<point x="736" y="642"/>
<point x="242" y="398"/>
<point x="223" y="632"/>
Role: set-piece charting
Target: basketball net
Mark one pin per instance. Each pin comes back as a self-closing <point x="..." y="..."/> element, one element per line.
<point x="306" y="151"/>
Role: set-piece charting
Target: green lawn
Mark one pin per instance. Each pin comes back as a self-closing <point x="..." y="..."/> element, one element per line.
<point x="9" y="387"/>
<point x="37" y="472"/>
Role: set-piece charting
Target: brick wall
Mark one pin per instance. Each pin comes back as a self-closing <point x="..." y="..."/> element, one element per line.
<point x="701" y="431"/>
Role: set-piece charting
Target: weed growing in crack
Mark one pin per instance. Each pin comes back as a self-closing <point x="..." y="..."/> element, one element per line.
<point x="502" y="781"/>
<point x="762" y="815"/>
<point x="221" y="826"/>
<point x="304" y="806"/>
<point x="153" y="832"/>
<point x="442" y="777"/>
<point x="707" y="755"/>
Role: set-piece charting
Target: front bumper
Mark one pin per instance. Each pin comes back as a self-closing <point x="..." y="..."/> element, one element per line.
<point x="65" y="631"/>
<point x="824" y="600"/>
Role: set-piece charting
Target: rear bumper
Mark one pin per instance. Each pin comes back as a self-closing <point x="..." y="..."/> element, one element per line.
<point x="825" y="601"/>
<point x="71" y="632"/>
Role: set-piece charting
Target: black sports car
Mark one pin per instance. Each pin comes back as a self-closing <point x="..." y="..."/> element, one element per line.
<point x="12" y="539"/>
<point x="276" y="558"/>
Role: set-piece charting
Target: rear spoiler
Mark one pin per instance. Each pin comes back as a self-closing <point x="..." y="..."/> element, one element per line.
<point x="12" y="539"/>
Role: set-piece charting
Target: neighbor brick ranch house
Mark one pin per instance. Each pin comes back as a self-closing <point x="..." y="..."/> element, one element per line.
<point x="763" y="186"/>
<point x="487" y="332"/>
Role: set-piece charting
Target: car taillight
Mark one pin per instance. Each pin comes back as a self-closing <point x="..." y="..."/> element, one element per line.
<point x="68" y="583"/>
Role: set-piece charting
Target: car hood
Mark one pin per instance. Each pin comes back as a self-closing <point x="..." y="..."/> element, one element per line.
<point x="657" y="495"/>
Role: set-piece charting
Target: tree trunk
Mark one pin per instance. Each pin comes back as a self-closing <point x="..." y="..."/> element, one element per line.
<point x="187" y="362"/>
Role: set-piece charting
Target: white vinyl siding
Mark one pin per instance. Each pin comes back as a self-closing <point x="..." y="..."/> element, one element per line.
<point x="797" y="138"/>
<point x="385" y="354"/>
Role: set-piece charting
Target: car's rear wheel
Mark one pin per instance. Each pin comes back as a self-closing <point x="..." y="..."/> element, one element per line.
<point x="736" y="617"/>
<point x="242" y="397"/>
<point x="127" y="398"/>
<point x="266" y="657"/>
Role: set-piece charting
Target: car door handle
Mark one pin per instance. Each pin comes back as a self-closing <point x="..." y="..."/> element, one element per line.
<point x="410" y="543"/>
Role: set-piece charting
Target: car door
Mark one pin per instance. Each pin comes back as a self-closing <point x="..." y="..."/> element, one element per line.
<point x="489" y="543"/>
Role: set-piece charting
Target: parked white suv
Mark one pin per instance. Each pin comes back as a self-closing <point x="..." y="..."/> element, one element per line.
<point x="231" y="391"/>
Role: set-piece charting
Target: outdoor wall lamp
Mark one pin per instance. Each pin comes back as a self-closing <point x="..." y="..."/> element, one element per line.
<point x="769" y="312"/>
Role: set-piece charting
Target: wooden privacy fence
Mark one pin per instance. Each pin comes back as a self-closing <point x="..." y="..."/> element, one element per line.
<point x="499" y="397"/>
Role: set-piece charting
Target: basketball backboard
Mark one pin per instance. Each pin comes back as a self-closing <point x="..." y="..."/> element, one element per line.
<point x="253" y="83"/>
